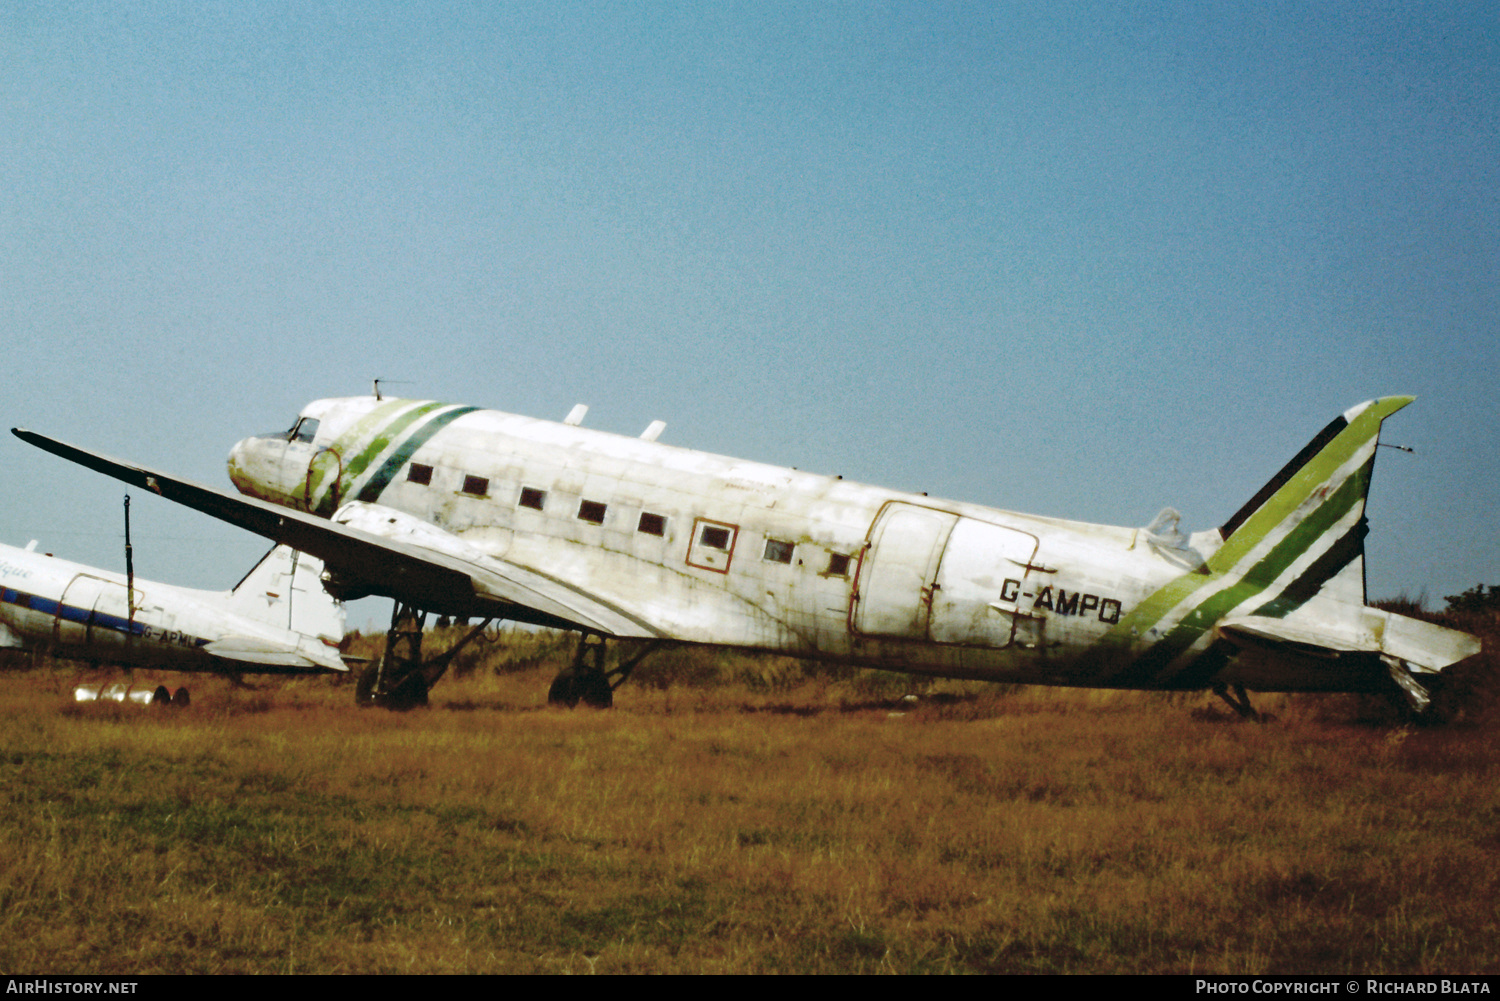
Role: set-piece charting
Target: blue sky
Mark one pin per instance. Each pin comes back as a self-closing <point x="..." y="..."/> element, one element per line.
<point x="1086" y="260"/>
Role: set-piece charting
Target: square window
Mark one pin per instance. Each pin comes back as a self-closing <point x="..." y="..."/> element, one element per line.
<point x="419" y="474"/>
<point x="476" y="485"/>
<point x="592" y="511"/>
<point x="778" y="551"/>
<point x="533" y="498"/>
<point x="715" y="538"/>
<point x="838" y="565"/>
<point x="652" y="524"/>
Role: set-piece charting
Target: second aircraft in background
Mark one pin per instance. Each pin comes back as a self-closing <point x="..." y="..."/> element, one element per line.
<point x="277" y="620"/>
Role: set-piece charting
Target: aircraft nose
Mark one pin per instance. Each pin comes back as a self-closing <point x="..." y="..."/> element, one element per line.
<point x="237" y="456"/>
<point x="254" y="470"/>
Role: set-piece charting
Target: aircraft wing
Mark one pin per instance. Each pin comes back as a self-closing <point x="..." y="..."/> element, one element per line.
<point x="453" y="580"/>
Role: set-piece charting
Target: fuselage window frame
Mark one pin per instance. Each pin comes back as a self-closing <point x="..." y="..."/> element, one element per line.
<point x="712" y="544"/>
<point x="476" y="486"/>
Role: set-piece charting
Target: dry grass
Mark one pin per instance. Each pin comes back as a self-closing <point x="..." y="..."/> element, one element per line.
<point x="774" y="821"/>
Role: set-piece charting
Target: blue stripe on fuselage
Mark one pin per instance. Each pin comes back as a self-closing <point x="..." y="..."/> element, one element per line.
<point x="73" y="613"/>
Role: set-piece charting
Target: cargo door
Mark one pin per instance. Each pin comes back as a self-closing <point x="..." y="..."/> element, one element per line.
<point x="93" y="614"/>
<point x="893" y="593"/>
<point x="982" y="565"/>
<point x="70" y="616"/>
<point x="114" y="625"/>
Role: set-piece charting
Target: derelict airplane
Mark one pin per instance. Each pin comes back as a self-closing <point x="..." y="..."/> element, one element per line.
<point x="475" y="513"/>
<point x="277" y="620"/>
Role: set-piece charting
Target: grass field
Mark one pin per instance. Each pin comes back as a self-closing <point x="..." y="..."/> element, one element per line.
<point x="734" y="815"/>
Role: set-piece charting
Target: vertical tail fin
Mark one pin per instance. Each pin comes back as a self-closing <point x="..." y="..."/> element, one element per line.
<point x="1306" y="527"/>
<point x="285" y="589"/>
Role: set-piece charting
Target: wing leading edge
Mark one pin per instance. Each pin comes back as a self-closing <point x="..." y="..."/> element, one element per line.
<point x="470" y="584"/>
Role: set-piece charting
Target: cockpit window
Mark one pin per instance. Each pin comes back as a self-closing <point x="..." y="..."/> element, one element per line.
<point x="306" y="429"/>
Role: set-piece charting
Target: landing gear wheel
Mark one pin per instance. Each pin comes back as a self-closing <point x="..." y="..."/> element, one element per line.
<point x="408" y="693"/>
<point x="585" y="680"/>
<point x="593" y="690"/>
<point x="364" y="688"/>
<point x="400" y="679"/>
<point x="564" y="689"/>
<point x="573" y="685"/>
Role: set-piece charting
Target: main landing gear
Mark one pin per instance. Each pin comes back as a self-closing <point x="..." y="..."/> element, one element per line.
<point x="588" y="679"/>
<point x="399" y="679"/>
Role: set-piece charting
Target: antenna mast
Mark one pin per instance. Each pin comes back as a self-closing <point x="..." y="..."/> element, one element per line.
<point x="129" y="573"/>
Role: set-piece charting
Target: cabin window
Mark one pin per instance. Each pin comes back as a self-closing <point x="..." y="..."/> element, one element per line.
<point x="838" y="565"/>
<point x="476" y="485"/>
<point x="533" y="498"/>
<point x="715" y="538"/>
<point x="419" y="474"/>
<point x="778" y="551"/>
<point x="652" y="524"/>
<point x="592" y="511"/>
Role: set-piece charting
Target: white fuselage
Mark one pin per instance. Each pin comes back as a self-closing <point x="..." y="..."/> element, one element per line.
<point x="81" y="612"/>
<point x="660" y="541"/>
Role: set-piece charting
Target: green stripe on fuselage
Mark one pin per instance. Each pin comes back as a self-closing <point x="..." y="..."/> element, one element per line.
<point x="382" y="440"/>
<point x="355" y="442"/>
<point x="372" y="490"/>
<point x="1259" y="577"/>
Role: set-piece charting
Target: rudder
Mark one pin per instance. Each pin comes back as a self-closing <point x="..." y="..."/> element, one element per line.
<point x="1306" y="526"/>
<point x="285" y="589"/>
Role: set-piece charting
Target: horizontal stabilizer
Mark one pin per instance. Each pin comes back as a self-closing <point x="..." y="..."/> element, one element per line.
<point x="249" y="650"/>
<point x="1265" y="633"/>
<point x="1424" y="646"/>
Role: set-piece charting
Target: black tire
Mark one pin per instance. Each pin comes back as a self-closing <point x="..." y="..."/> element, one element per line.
<point x="564" y="690"/>
<point x="364" y="688"/>
<point x="594" y="691"/>
<point x="409" y="693"/>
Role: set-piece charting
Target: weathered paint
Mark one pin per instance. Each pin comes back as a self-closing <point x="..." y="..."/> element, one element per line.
<point x="478" y="512"/>
<point x="278" y="619"/>
<point x="930" y="586"/>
